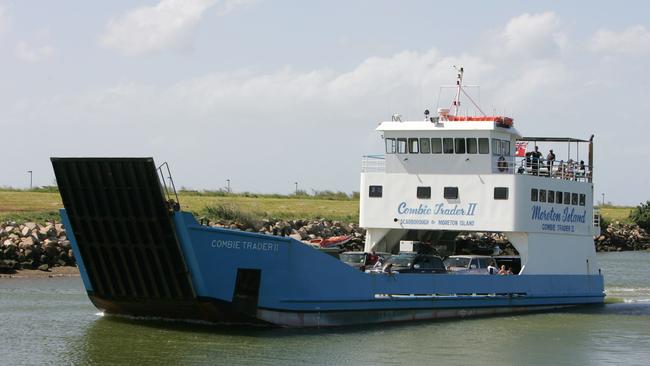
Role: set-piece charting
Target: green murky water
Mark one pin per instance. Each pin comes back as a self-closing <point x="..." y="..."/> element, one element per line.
<point x="51" y="321"/>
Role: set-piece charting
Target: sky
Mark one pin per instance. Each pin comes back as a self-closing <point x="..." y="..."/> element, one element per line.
<point x="268" y="93"/>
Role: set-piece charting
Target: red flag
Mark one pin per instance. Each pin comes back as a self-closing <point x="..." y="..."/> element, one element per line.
<point x="521" y="148"/>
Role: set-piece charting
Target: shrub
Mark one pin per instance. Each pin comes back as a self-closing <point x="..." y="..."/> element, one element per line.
<point x="641" y="215"/>
<point x="230" y="213"/>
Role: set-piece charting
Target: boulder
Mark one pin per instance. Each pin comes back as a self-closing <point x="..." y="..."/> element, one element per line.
<point x="44" y="267"/>
<point x="27" y="242"/>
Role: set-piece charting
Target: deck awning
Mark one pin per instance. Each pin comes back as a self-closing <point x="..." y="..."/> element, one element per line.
<point x="551" y="139"/>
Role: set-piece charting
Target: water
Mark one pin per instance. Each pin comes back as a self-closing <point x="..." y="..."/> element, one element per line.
<point x="51" y="321"/>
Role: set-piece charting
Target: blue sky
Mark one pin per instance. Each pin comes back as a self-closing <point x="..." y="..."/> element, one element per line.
<point x="266" y="93"/>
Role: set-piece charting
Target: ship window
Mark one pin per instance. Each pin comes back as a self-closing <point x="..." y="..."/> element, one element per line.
<point x="472" y="147"/>
<point x="436" y="146"/>
<point x="401" y="146"/>
<point x="500" y="193"/>
<point x="390" y="146"/>
<point x="574" y="199"/>
<point x="496" y="146"/>
<point x="375" y="191"/>
<point x="567" y="198"/>
<point x="424" y="192"/>
<point x="582" y="199"/>
<point x="425" y="146"/>
<point x="505" y="148"/>
<point x="460" y="145"/>
<point x="483" y="145"/>
<point x="551" y="196"/>
<point x="450" y="193"/>
<point x="414" y="146"/>
<point x="542" y="195"/>
<point x="448" y="145"/>
<point x="558" y="197"/>
<point x="534" y="193"/>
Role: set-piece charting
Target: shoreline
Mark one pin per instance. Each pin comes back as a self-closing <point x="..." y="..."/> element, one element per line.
<point x="55" y="272"/>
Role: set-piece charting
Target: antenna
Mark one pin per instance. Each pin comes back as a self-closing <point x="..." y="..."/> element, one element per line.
<point x="459" y="88"/>
<point x="459" y="83"/>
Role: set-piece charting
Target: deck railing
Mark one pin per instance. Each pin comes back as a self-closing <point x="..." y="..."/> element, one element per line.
<point x="373" y="164"/>
<point x="543" y="168"/>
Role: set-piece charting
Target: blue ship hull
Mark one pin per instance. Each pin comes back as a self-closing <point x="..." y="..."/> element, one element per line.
<point x="298" y="286"/>
<point x="138" y="255"/>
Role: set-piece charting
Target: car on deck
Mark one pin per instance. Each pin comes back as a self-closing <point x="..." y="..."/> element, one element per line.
<point x="471" y="264"/>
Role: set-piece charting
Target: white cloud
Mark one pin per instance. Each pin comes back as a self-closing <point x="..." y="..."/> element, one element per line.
<point x="166" y="25"/>
<point x="33" y="54"/>
<point x="5" y="20"/>
<point x="530" y="35"/>
<point x="633" y="40"/>
<point x="266" y="130"/>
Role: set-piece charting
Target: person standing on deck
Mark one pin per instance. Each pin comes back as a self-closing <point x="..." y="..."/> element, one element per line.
<point x="537" y="157"/>
<point x="550" y="159"/>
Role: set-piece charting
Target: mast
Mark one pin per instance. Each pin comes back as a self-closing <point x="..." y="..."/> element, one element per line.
<point x="459" y="83"/>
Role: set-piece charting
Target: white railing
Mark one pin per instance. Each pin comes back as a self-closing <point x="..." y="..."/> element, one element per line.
<point x="555" y="169"/>
<point x="373" y="164"/>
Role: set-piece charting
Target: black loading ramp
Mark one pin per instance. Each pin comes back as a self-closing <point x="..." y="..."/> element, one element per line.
<point x="125" y="233"/>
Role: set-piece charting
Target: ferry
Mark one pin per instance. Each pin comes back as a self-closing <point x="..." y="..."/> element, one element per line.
<point x="139" y="254"/>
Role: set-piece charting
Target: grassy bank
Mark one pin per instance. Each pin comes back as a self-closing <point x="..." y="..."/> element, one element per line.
<point x="41" y="206"/>
<point x="616" y="213"/>
<point x="22" y="205"/>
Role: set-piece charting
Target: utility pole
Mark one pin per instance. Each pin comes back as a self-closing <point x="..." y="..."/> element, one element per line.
<point x="603" y="201"/>
<point x="296" y="183"/>
<point x="30" y="178"/>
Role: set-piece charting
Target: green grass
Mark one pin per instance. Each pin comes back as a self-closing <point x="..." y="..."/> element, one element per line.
<point x="21" y="205"/>
<point x="616" y="213"/>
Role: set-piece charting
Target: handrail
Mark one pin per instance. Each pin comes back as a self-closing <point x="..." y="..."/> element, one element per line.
<point x="175" y="205"/>
<point x="373" y="163"/>
<point x="569" y="170"/>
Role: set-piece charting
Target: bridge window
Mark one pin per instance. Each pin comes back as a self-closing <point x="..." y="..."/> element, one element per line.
<point x="534" y="194"/>
<point x="448" y="145"/>
<point x="436" y="146"/>
<point x="500" y="193"/>
<point x="483" y="145"/>
<point x="472" y="147"/>
<point x="551" y="196"/>
<point x="558" y="197"/>
<point x="505" y="147"/>
<point x="450" y="193"/>
<point x="582" y="199"/>
<point x="496" y="146"/>
<point x="574" y="199"/>
<point x="425" y="146"/>
<point x="391" y="148"/>
<point x="460" y="145"/>
<point x="401" y="146"/>
<point x="375" y="191"/>
<point x="424" y="192"/>
<point x="567" y="198"/>
<point x="414" y="146"/>
<point x="542" y="195"/>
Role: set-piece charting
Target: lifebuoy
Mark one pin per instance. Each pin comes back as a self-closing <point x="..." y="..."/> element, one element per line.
<point x="501" y="164"/>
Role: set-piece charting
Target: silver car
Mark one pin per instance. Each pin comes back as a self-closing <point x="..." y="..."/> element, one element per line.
<point x="471" y="264"/>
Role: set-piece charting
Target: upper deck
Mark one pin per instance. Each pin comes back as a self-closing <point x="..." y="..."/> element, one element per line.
<point x="470" y="147"/>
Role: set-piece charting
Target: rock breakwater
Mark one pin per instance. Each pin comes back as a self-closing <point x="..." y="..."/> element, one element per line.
<point x="622" y="237"/>
<point x="32" y="245"/>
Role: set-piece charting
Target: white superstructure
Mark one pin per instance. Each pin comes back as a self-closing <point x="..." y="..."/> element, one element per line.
<point x="451" y="174"/>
